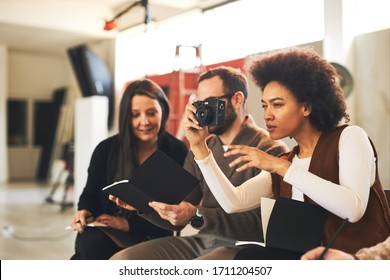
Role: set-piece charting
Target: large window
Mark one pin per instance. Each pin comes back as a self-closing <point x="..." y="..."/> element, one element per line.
<point x="227" y="32"/>
<point x="251" y="26"/>
<point x="17" y="123"/>
<point x="141" y="51"/>
<point x="236" y="30"/>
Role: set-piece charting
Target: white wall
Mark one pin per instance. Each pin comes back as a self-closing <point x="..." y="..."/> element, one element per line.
<point x="372" y="94"/>
<point x="3" y="114"/>
<point x="32" y="76"/>
<point x="368" y="104"/>
<point x="91" y="115"/>
<point x="367" y="57"/>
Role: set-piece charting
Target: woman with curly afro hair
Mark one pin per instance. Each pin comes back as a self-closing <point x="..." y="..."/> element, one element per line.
<point x="333" y="165"/>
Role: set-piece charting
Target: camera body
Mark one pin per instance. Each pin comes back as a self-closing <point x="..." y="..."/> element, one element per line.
<point x="210" y="112"/>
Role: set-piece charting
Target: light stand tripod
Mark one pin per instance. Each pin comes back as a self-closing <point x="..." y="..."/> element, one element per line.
<point x="69" y="181"/>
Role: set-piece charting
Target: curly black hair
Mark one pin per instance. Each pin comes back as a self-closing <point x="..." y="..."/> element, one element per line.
<point x="309" y="77"/>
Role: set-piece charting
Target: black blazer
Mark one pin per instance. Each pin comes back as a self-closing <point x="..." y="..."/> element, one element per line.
<point x="94" y="200"/>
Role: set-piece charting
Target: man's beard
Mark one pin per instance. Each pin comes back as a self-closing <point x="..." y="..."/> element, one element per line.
<point x="230" y="117"/>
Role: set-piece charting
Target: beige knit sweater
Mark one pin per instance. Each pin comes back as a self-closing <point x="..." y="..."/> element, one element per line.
<point x="381" y="251"/>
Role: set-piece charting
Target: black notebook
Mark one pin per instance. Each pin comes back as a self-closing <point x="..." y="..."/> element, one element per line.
<point x="159" y="178"/>
<point x="291" y="225"/>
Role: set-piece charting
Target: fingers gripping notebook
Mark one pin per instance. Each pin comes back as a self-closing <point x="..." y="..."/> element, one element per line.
<point x="295" y="225"/>
<point x="159" y="178"/>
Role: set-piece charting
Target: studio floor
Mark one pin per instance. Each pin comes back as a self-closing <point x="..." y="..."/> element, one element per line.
<point x="32" y="228"/>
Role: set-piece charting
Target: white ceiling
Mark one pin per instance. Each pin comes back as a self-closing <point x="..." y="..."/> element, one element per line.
<point x="54" y="25"/>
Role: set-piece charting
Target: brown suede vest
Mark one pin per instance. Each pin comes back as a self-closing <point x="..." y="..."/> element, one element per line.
<point x="373" y="227"/>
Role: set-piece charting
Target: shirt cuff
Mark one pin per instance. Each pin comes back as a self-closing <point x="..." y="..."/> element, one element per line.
<point x="206" y="159"/>
<point x="291" y="173"/>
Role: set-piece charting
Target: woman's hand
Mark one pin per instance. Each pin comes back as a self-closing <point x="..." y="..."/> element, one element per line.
<point x="80" y="220"/>
<point x="113" y="222"/>
<point x="331" y="254"/>
<point x="177" y="215"/>
<point x="195" y="134"/>
<point x="121" y="203"/>
<point x="253" y="157"/>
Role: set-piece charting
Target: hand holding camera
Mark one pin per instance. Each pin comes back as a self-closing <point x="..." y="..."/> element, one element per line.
<point x="200" y="115"/>
<point x="210" y="112"/>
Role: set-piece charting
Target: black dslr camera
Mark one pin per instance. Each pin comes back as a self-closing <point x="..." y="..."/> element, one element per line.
<point x="210" y="112"/>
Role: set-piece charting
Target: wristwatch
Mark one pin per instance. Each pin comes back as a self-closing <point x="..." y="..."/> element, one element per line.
<point x="197" y="221"/>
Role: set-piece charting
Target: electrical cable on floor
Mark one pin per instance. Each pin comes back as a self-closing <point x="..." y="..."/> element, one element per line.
<point x="9" y="231"/>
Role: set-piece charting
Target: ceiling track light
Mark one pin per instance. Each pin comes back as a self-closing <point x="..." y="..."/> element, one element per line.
<point x="112" y="24"/>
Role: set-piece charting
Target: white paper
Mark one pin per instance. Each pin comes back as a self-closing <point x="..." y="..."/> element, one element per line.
<point x="239" y="243"/>
<point x="267" y="204"/>
<point x="93" y="224"/>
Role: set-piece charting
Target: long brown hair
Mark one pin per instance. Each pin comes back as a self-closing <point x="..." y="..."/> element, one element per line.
<point x="125" y="159"/>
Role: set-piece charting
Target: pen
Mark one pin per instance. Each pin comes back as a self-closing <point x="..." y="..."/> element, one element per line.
<point x="330" y="243"/>
<point x="86" y="217"/>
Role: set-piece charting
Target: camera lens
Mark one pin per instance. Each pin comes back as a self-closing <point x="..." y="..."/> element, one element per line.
<point x="203" y="115"/>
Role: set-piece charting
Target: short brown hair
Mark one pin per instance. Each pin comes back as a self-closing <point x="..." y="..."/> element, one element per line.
<point x="233" y="79"/>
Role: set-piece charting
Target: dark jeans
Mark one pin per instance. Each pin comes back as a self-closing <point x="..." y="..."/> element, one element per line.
<point x="255" y="252"/>
<point x="94" y="244"/>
